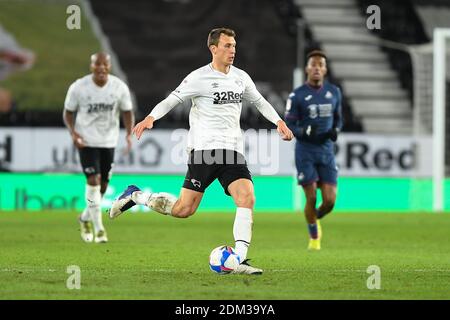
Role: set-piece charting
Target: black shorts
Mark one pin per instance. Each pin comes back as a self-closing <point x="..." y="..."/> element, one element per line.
<point x="97" y="161"/>
<point x="205" y="166"/>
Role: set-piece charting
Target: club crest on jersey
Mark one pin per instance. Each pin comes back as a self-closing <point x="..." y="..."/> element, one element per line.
<point x="240" y="83"/>
<point x="215" y="85"/>
<point x="328" y="95"/>
<point x="89" y="170"/>
<point x="196" y="183"/>
<point x="226" y="97"/>
<point x="313" y="111"/>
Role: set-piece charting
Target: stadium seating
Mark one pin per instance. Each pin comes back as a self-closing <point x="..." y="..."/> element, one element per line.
<point x="368" y="80"/>
<point x="160" y="42"/>
<point x="407" y="22"/>
<point x="152" y="42"/>
<point x="435" y="13"/>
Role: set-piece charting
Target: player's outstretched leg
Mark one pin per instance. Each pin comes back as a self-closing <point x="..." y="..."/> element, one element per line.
<point x="161" y="202"/>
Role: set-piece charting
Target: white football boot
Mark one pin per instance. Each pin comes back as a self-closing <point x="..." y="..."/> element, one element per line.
<point x="86" y="230"/>
<point x="101" y="237"/>
<point x="245" y="268"/>
<point x="123" y="202"/>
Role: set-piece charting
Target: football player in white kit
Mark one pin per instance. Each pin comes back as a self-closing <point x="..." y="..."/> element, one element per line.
<point x="97" y="99"/>
<point x="216" y="91"/>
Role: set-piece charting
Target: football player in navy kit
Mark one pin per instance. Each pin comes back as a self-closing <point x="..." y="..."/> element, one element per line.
<point x="313" y="113"/>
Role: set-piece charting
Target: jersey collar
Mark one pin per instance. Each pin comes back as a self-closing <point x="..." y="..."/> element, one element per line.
<point x="316" y="90"/>
<point x="96" y="85"/>
<point x="220" y="72"/>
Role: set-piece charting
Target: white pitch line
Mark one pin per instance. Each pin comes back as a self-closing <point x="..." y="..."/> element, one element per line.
<point x="28" y="270"/>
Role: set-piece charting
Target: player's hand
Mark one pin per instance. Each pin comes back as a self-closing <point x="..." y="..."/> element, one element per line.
<point x="311" y="131"/>
<point x="333" y="134"/>
<point x="139" y="128"/>
<point x="78" y="140"/>
<point x="309" y="134"/>
<point x="285" y="133"/>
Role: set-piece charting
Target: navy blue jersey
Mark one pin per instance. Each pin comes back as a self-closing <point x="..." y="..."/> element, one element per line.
<point x="319" y="107"/>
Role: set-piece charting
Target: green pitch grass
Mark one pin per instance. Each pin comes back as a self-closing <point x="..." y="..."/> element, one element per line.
<point x="150" y="256"/>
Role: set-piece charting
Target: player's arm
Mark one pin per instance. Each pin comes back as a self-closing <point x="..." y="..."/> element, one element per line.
<point x="159" y="111"/>
<point x="126" y="107"/>
<point x="128" y="122"/>
<point x="186" y="90"/>
<point x="291" y="116"/>
<point x="69" y="121"/>
<point x="266" y="109"/>
<point x="337" y="119"/>
<point x="70" y="106"/>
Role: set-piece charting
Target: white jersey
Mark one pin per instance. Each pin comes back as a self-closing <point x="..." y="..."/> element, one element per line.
<point x="98" y="109"/>
<point x="216" y="107"/>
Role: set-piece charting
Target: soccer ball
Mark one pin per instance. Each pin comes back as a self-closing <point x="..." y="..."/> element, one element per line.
<point x="223" y="260"/>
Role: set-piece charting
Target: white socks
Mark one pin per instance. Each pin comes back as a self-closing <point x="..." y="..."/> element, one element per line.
<point x="141" y="197"/>
<point x="242" y="231"/>
<point x="161" y="202"/>
<point x="85" y="216"/>
<point x="93" y="200"/>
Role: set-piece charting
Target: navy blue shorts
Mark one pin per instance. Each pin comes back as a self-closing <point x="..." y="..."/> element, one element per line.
<point x="316" y="167"/>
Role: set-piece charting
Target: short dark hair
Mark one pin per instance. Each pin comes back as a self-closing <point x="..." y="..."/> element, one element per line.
<point x="214" y="35"/>
<point x="316" y="53"/>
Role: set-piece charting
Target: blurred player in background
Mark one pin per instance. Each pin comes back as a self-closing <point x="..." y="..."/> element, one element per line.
<point x="216" y="91"/>
<point x="97" y="99"/>
<point x="313" y="113"/>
